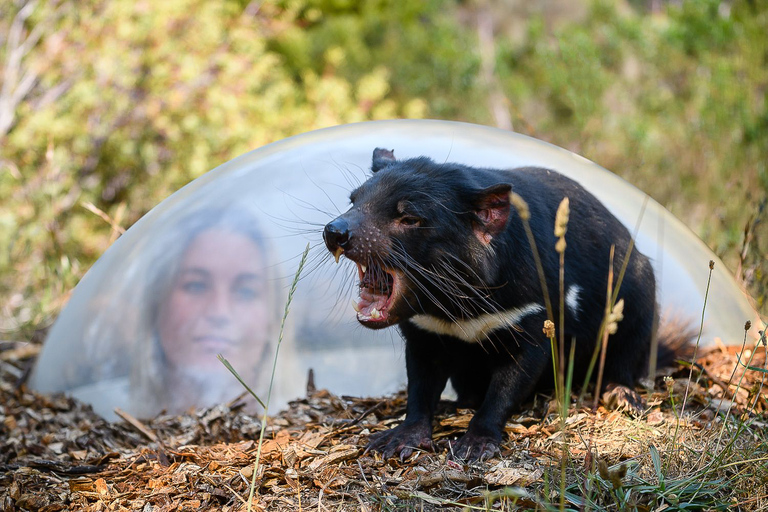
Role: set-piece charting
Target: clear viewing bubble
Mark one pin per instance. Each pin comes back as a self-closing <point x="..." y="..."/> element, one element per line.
<point x="207" y="272"/>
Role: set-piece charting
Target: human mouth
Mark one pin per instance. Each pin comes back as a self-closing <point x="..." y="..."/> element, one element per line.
<point x="213" y="341"/>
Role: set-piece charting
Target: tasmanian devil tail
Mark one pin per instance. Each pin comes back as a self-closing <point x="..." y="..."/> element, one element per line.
<point x="677" y="337"/>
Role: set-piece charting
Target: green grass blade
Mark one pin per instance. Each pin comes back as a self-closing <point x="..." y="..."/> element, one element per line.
<point x="226" y="363"/>
<point x="229" y="367"/>
<point x="656" y="459"/>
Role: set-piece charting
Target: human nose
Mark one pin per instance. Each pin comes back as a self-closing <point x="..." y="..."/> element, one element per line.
<point x="219" y="310"/>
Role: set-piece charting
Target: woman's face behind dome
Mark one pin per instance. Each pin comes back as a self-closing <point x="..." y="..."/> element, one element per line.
<point x="217" y="304"/>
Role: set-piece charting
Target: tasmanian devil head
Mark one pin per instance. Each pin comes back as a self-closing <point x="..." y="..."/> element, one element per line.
<point x="422" y="235"/>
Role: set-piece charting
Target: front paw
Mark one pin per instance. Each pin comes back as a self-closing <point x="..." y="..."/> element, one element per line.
<point x="475" y="447"/>
<point x="402" y="440"/>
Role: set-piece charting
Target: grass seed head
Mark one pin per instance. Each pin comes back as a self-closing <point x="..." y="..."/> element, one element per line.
<point x="616" y="316"/>
<point x="561" y="219"/>
<point x="602" y="468"/>
<point x="549" y="328"/>
<point x="520" y="205"/>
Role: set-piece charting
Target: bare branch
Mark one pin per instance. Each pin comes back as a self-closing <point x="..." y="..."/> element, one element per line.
<point x="17" y="83"/>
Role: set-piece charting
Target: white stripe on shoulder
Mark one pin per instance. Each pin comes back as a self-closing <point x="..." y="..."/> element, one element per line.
<point x="572" y="299"/>
<point x="476" y="329"/>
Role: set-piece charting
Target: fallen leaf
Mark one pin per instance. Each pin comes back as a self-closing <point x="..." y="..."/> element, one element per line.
<point x="337" y="454"/>
<point x="513" y="476"/>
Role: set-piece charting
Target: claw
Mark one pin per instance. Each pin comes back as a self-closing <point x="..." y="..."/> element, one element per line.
<point x="472" y="447"/>
<point x="401" y="441"/>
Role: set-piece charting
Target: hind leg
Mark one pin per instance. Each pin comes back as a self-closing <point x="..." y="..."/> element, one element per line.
<point x="623" y="398"/>
<point x="626" y="360"/>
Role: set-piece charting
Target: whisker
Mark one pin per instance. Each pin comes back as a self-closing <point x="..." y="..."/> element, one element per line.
<point x="401" y="265"/>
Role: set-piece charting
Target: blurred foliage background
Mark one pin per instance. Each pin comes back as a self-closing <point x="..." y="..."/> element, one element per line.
<point x="109" y="106"/>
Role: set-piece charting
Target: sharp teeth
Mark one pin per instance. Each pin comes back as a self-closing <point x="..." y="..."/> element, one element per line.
<point x="364" y="267"/>
<point x="338" y="252"/>
<point x="375" y="314"/>
<point x="355" y="306"/>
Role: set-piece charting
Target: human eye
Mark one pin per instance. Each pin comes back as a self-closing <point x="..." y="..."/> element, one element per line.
<point x="194" y="286"/>
<point x="246" y="293"/>
<point x="247" y="289"/>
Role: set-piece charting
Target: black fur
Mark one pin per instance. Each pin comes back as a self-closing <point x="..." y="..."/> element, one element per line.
<point x="444" y="241"/>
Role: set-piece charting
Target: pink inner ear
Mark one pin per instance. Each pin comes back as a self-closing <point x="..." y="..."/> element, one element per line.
<point x="493" y="219"/>
<point x="489" y="215"/>
<point x="492" y="209"/>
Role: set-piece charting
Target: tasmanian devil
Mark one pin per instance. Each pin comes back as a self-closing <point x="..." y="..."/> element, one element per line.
<point x="441" y="253"/>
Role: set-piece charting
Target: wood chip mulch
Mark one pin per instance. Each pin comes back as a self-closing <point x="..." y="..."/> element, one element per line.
<point x="56" y="454"/>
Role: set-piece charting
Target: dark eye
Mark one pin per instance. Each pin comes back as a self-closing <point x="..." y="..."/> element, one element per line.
<point x="409" y="220"/>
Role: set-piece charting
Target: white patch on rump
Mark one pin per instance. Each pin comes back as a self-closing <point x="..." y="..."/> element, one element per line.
<point x="478" y="328"/>
<point x="572" y="299"/>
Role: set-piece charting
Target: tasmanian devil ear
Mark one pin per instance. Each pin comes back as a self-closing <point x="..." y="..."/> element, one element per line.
<point x="492" y="210"/>
<point x="382" y="158"/>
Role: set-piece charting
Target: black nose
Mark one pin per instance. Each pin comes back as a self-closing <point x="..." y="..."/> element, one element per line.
<point x="336" y="234"/>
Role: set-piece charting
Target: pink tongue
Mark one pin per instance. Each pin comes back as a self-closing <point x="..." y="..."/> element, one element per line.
<point x="369" y="301"/>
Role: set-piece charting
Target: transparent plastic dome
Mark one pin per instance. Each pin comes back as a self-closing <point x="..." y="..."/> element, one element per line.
<point x="207" y="271"/>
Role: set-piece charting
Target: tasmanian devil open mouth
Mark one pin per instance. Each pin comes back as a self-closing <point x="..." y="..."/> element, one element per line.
<point x="378" y="289"/>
